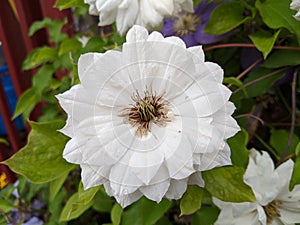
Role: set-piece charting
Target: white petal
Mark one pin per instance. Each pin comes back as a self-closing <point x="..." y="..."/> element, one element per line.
<point x="198" y="53"/>
<point x="244" y="213"/>
<point x="206" y="97"/>
<point x="136" y="33"/>
<point x="156" y="192"/>
<point x="196" y="179"/>
<point x="123" y="180"/>
<point x="261" y="177"/>
<point x="123" y="200"/>
<point x="176" y="189"/>
<point x="289" y="216"/>
<point x="127" y="13"/>
<point x="91" y="176"/>
<point x="224" y="122"/>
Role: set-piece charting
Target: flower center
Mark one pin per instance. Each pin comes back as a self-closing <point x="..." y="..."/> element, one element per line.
<point x="150" y="108"/>
<point x="271" y="210"/>
<point x="186" y="24"/>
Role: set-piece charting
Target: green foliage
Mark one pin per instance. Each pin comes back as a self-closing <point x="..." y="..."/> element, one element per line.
<point x="295" y="179"/>
<point x="65" y="4"/>
<point x="279" y="141"/>
<point x="191" y="200"/>
<point x="232" y="16"/>
<point x="226" y="184"/>
<point x="54" y="28"/>
<point x="209" y="213"/>
<point x="282" y="58"/>
<point x="34" y="162"/>
<point x="264" y="41"/>
<point x="56" y="185"/>
<point x="116" y="214"/>
<point x="39" y="56"/>
<point x="145" y="212"/>
<point x="69" y="45"/>
<point x="239" y="151"/>
<point x="26" y="102"/>
<point x="277" y="14"/>
<point x="73" y="208"/>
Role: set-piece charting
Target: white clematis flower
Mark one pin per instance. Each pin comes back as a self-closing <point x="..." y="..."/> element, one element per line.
<point x="295" y="5"/>
<point x="275" y="205"/>
<point x="147" y="120"/>
<point x="126" y="13"/>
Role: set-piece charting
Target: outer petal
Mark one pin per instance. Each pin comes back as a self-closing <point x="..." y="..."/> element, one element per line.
<point x="237" y="213"/>
<point x="262" y="178"/>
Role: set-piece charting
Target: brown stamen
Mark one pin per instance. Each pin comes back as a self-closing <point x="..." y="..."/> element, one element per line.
<point x="147" y="109"/>
<point x="271" y="210"/>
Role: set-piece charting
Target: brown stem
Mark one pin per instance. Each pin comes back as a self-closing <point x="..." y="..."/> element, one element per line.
<point x="293" y="119"/>
<point x="7" y="217"/>
<point x="260" y="78"/>
<point x="242" y="74"/>
<point x="232" y="45"/>
<point x="252" y="116"/>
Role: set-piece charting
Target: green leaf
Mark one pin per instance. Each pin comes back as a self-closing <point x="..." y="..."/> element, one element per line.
<point x="85" y="196"/>
<point x="102" y="202"/>
<point x="55" y="185"/>
<point x="226" y="17"/>
<point x="65" y="4"/>
<point x="264" y="83"/>
<point x="55" y="208"/>
<point x="4" y="141"/>
<point x="205" y="216"/>
<point x="191" y="200"/>
<point x="279" y="140"/>
<point x="42" y="78"/>
<point x="282" y="58"/>
<point x="72" y="209"/>
<point x="95" y="44"/>
<point x="6" y="206"/>
<point x="38" y="56"/>
<point x="26" y="102"/>
<point x="227" y="184"/>
<point x="69" y="45"/>
<point x="236" y="82"/>
<point x="116" y="214"/>
<point x="277" y="14"/>
<point x="54" y="28"/>
<point x="145" y="212"/>
<point x="41" y="159"/>
<point x="264" y="41"/>
<point x="239" y="151"/>
<point x="296" y="172"/>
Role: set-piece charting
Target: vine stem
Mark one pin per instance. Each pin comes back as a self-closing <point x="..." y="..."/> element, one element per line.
<point x="242" y="74"/>
<point x="7" y="217"/>
<point x="293" y="119"/>
<point x="232" y="45"/>
<point x="260" y="78"/>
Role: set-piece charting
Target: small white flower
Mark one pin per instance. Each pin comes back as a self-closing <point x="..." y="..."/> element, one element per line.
<point x="275" y="203"/>
<point x="295" y="5"/>
<point x="126" y="13"/>
<point x="147" y="120"/>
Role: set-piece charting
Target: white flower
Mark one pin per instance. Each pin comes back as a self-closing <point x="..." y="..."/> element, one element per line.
<point x="147" y="120"/>
<point x="126" y="13"/>
<point x="275" y="203"/>
<point x="295" y="5"/>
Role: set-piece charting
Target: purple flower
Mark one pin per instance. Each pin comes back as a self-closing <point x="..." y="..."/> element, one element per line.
<point x="190" y="26"/>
